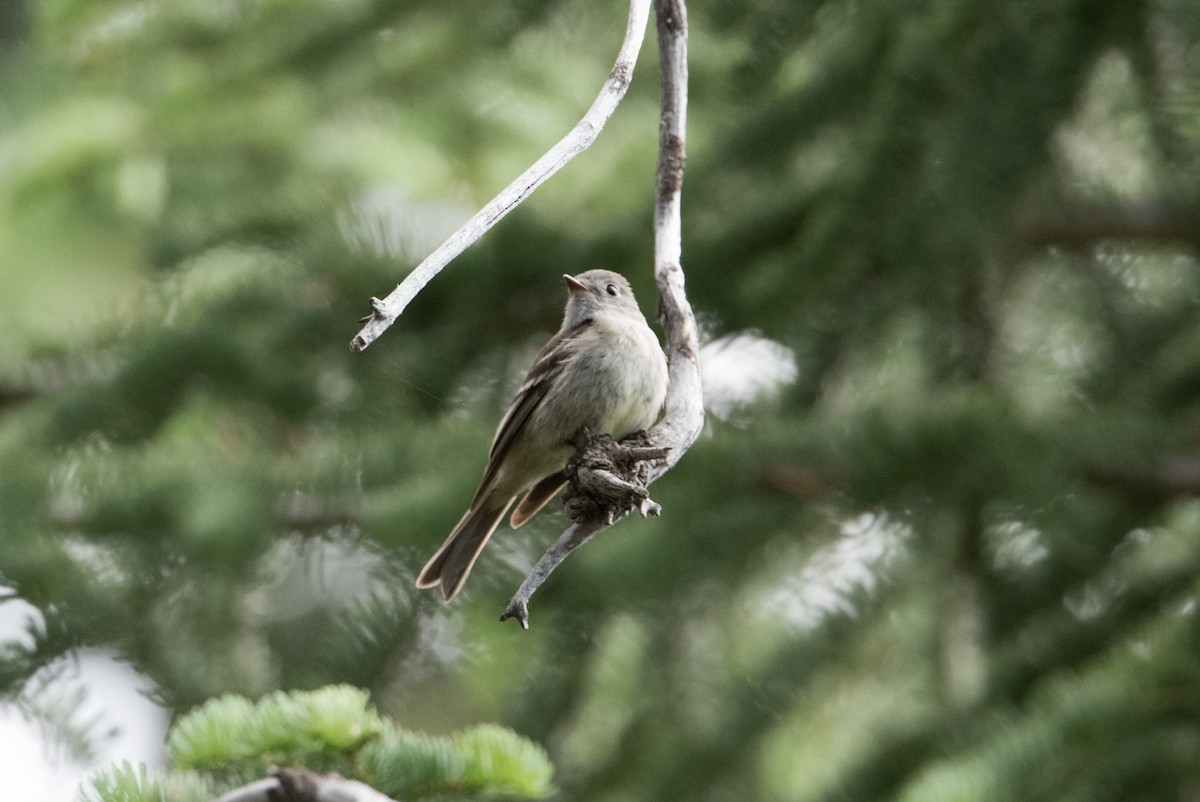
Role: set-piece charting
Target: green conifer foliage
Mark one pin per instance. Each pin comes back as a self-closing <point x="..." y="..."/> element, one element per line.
<point x="230" y="740"/>
<point x="957" y="558"/>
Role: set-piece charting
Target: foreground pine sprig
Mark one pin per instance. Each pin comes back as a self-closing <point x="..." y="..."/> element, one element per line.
<point x="336" y="735"/>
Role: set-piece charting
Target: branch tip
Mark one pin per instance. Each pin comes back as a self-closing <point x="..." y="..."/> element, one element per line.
<point x="621" y="75"/>
<point x="518" y="609"/>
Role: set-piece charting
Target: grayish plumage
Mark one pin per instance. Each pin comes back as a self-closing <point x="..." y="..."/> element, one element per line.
<point x="603" y="370"/>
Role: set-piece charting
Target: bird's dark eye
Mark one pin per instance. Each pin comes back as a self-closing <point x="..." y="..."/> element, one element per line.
<point x="611" y="289"/>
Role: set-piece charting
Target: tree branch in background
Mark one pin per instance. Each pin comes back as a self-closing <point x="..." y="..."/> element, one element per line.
<point x="302" y="785"/>
<point x="1084" y="226"/>
<point x="577" y="140"/>
<point x="1158" y="480"/>
<point x="608" y="480"/>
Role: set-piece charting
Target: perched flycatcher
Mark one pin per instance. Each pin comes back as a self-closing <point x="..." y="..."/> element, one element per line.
<point x="605" y="370"/>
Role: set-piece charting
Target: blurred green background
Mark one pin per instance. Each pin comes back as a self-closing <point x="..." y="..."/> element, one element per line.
<point x="955" y="558"/>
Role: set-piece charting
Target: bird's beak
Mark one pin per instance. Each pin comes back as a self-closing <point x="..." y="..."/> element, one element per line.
<point x="574" y="285"/>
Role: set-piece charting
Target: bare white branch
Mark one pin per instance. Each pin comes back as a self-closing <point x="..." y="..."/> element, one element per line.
<point x="385" y="311"/>
<point x="684" y="415"/>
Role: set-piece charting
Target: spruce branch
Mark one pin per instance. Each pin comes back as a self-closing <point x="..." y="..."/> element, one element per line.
<point x="598" y="497"/>
<point x="385" y="311"/>
<point x="325" y="734"/>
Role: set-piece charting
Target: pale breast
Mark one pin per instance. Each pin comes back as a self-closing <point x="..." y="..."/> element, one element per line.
<point x="616" y="386"/>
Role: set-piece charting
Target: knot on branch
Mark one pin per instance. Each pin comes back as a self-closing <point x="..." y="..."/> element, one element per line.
<point x="296" y="785"/>
<point x="607" y="478"/>
<point x="621" y="75"/>
<point x="380" y="316"/>
<point x="672" y="160"/>
<point x="671" y="16"/>
<point x="379" y="311"/>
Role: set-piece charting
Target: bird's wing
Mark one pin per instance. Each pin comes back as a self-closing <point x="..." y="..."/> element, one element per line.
<point x="547" y="365"/>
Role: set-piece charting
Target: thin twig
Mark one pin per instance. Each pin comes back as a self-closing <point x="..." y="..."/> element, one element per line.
<point x="385" y="311"/>
<point x="576" y="535"/>
<point x="684" y="412"/>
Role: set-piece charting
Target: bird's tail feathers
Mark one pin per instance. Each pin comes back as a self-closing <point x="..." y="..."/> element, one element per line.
<point x="537" y="497"/>
<point x="452" y="563"/>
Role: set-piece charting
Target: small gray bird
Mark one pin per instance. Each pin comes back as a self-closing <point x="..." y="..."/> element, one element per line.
<point x="605" y="370"/>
